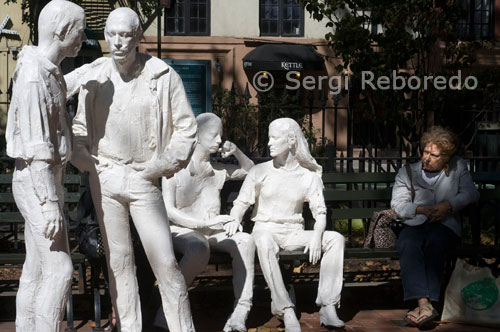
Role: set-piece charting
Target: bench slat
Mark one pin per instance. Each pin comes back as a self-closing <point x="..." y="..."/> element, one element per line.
<point x="18" y="258"/>
<point x="335" y="195"/>
<point x="358" y="178"/>
<point x="68" y="178"/>
<point x="68" y="198"/>
<point x="355" y="213"/>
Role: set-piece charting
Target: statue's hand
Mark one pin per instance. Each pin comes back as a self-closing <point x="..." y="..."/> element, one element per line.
<point x="228" y="149"/>
<point x="53" y="219"/>
<point x="219" y="220"/>
<point x="232" y="227"/>
<point x="82" y="160"/>
<point x="314" y="248"/>
<point x="150" y="170"/>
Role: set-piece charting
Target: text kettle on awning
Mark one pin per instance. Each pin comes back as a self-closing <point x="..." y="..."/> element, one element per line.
<point x="285" y="57"/>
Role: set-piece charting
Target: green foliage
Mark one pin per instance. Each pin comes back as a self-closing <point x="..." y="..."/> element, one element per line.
<point x="247" y="125"/>
<point x="413" y="37"/>
<point x="31" y="10"/>
<point x="238" y="118"/>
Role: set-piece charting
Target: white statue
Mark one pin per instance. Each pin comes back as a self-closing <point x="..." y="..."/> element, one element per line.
<point x="192" y="199"/>
<point x="39" y="138"/>
<point x="134" y="124"/>
<point x="278" y="189"/>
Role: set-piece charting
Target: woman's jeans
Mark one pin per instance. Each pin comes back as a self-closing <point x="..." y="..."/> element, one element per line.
<point x="423" y="251"/>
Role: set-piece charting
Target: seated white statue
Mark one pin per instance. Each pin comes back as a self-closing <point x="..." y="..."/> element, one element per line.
<point x="192" y="199"/>
<point x="278" y="189"/>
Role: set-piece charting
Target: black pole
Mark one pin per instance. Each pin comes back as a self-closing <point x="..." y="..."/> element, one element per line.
<point x="159" y="30"/>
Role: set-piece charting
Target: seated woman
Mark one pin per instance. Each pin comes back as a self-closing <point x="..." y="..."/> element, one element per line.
<point x="442" y="187"/>
<point x="192" y="200"/>
<point x="279" y="188"/>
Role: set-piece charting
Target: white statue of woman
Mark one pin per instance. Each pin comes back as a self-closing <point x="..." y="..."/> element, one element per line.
<point x="192" y="199"/>
<point x="39" y="138"/>
<point x="278" y="188"/>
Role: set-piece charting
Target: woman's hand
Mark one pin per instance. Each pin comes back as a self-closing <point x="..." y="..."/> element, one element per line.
<point x="440" y="211"/>
<point x="314" y="248"/>
<point x="232" y="227"/>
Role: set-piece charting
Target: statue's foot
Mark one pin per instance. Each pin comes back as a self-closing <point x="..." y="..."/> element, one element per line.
<point x="328" y="317"/>
<point x="291" y="322"/>
<point x="237" y="320"/>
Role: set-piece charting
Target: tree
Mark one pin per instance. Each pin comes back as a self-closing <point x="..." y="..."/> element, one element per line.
<point x="398" y="38"/>
<point x="146" y="9"/>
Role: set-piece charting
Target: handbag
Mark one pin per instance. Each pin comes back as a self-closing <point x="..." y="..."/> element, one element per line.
<point x="385" y="224"/>
<point x="472" y="296"/>
<point x="88" y="234"/>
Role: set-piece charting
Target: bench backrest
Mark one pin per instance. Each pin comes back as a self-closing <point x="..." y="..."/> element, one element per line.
<point x="357" y="195"/>
<point x="11" y="218"/>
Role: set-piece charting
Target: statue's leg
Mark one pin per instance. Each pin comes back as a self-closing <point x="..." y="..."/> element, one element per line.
<point x="330" y="278"/>
<point x="48" y="269"/>
<point x="28" y="284"/>
<point x="331" y="269"/>
<point x="194" y="249"/>
<point x="151" y="222"/>
<point x="268" y="249"/>
<point x="123" y="287"/>
<point x="241" y="247"/>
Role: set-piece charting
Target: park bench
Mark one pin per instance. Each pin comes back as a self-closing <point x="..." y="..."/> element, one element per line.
<point x="353" y="197"/>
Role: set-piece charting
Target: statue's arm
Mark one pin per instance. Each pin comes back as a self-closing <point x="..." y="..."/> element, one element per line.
<point x="182" y="142"/>
<point x="318" y="209"/>
<point x="178" y="216"/>
<point x="81" y="157"/>
<point x="39" y="151"/>
<point x="246" y="197"/>
<point x="234" y="172"/>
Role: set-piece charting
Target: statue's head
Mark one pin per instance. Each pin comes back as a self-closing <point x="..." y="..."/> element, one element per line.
<point x="62" y="22"/>
<point x="285" y="136"/>
<point x="209" y="131"/>
<point x="123" y="33"/>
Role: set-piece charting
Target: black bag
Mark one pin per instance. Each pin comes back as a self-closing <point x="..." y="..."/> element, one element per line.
<point x="88" y="234"/>
<point x="385" y="225"/>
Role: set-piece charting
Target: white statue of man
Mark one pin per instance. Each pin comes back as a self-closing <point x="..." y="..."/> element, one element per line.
<point x="134" y="124"/>
<point x="39" y="138"/>
<point x="192" y="199"/>
<point x="278" y="188"/>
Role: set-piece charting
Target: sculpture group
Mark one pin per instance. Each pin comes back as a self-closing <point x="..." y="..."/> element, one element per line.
<point x="149" y="158"/>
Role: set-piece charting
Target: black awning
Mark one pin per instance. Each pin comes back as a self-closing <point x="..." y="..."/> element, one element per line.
<point x="284" y="57"/>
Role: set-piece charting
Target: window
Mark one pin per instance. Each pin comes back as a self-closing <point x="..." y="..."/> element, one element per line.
<point x="188" y="17"/>
<point x="478" y="23"/>
<point x="281" y="18"/>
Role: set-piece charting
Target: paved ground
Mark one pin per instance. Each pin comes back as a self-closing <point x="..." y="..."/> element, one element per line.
<point x="369" y="308"/>
<point x="388" y="320"/>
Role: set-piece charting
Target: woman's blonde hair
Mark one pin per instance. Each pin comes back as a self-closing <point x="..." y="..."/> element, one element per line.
<point x="445" y="140"/>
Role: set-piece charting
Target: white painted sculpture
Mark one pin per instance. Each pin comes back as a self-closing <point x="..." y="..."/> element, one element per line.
<point x="39" y="138"/>
<point x="134" y="125"/>
<point x="192" y="199"/>
<point x="278" y="189"/>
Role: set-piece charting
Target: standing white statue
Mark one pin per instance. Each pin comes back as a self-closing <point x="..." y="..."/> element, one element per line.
<point x="278" y="188"/>
<point x="39" y="138"/>
<point x="192" y="199"/>
<point x="134" y="124"/>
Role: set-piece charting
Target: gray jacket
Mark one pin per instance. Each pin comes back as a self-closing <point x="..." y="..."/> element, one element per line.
<point x="455" y="187"/>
